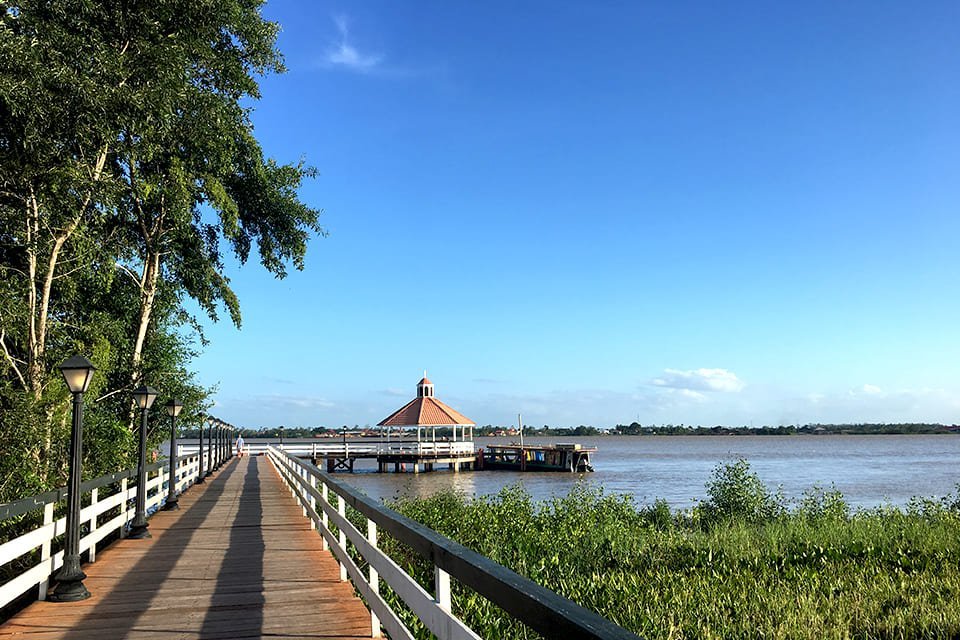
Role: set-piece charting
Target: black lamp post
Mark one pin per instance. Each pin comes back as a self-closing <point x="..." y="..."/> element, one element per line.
<point x="77" y="371"/>
<point x="210" y="423"/>
<point x="219" y="447"/>
<point x="144" y="397"/>
<point x="223" y="439"/>
<point x="173" y="407"/>
<point x="281" y="437"/>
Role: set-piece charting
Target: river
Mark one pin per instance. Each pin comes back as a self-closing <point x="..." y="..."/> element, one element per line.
<point x="868" y="470"/>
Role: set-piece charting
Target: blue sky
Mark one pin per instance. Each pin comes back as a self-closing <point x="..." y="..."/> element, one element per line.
<point x="598" y="212"/>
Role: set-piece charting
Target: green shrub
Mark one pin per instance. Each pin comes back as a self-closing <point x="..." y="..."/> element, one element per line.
<point x="736" y="493"/>
<point x="658" y="515"/>
<point x="819" y="504"/>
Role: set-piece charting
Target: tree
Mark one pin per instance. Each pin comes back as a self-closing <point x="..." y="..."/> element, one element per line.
<point x="125" y="150"/>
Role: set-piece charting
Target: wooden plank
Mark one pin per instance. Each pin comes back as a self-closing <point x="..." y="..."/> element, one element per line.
<point x="237" y="560"/>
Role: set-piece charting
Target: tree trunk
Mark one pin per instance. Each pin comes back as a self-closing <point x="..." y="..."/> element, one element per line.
<point x="148" y="293"/>
<point x="40" y="292"/>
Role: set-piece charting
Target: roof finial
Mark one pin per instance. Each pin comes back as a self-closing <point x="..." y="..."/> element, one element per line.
<point x="424" y="373"/>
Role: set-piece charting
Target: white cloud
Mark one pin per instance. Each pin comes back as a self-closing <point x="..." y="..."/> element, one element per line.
<point x="696" y="380"/>
<point x="693" y="395"/>
<point x="871" y="403"/>
<point x="346" y="55"/>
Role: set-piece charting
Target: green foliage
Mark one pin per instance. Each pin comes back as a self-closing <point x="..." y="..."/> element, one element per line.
<point x="757" y="571"/>
<point x="635" y="429"/>
<point x="127" y="164"/>
<point x="819" y="504"/>
<point x="736" y="493"/>
<point x="658" y="515"/>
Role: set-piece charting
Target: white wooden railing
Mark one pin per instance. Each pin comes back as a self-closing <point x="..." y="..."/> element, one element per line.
<point x="361" y="448"/>
<point x="324" y="500"/>
<point x="41" y="537"/>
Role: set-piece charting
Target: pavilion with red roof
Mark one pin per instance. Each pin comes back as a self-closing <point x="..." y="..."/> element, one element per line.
<point x="426" y="411"/>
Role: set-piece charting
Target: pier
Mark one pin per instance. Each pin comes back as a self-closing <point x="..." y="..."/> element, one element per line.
<point x="266" y="547"/>
<point x="396" y="455"/>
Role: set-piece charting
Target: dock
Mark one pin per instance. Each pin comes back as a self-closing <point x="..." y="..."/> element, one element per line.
<point x="389" y="455"/>
<point x="400" y="456"/>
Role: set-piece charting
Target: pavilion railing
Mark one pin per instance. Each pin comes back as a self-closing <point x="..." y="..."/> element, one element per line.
<point x="324" y="500"/>
<point x="28" y="560"/>
<point x="360" y="448"/>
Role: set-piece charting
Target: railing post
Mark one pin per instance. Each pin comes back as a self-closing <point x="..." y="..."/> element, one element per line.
<point x="313" y="501"/>
<point x="45" y="551"/>
<point x="342" y="510"/>
<point x="442" y="581"/>
<point x="94" y="495"/>
<point x="303" y="481"/>
<point x="290" y="474"/>
<point x="374" y="578"/>
<point x="123" y="508"/>
<point x="324" y="518"/>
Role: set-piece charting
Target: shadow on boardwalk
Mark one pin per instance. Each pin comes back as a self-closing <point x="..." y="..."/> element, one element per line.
<point x="236" y="606"/>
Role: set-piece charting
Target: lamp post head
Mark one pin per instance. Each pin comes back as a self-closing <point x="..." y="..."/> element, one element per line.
<point x="173" y="407"/>
<point x="144" y="396"/>
<point x="78" y="372"/>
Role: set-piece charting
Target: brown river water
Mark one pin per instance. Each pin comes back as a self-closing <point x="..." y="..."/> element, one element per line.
<point x="868" y="470"/>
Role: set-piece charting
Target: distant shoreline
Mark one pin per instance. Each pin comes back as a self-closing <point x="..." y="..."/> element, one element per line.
<point x="791" y="430"/>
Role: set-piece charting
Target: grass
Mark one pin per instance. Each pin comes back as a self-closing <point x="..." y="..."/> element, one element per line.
<point x="742" y="564"/>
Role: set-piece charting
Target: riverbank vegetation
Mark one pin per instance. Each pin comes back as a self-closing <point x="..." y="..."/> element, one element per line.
<point x="744" y="563"/>
<point x="863" y="429"/>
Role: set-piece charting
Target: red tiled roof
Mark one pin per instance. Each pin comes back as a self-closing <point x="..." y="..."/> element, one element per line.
<point x="424" y="381"/>
<point x="425" y="412"/>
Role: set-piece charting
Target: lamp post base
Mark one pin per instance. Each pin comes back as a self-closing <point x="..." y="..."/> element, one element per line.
<point x="172" y="504"/>
<point x="139" y="531"/>
<point x="70" y="579"/>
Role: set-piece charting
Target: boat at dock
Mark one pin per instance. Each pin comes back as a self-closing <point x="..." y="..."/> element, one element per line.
<point x="573" y="458"/>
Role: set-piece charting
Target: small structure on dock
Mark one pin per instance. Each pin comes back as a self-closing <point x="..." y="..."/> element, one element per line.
<point x="548" y="457"/>
<point x="422" y="413"/>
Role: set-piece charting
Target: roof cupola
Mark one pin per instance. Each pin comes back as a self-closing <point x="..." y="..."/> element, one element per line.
<point x="424" y="387"/>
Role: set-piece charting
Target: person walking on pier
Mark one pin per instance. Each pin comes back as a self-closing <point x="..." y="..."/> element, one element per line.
<point x="239" y="446"/>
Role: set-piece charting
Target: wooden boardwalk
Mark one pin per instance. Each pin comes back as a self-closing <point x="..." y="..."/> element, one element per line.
<point x="238" y="560"/>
